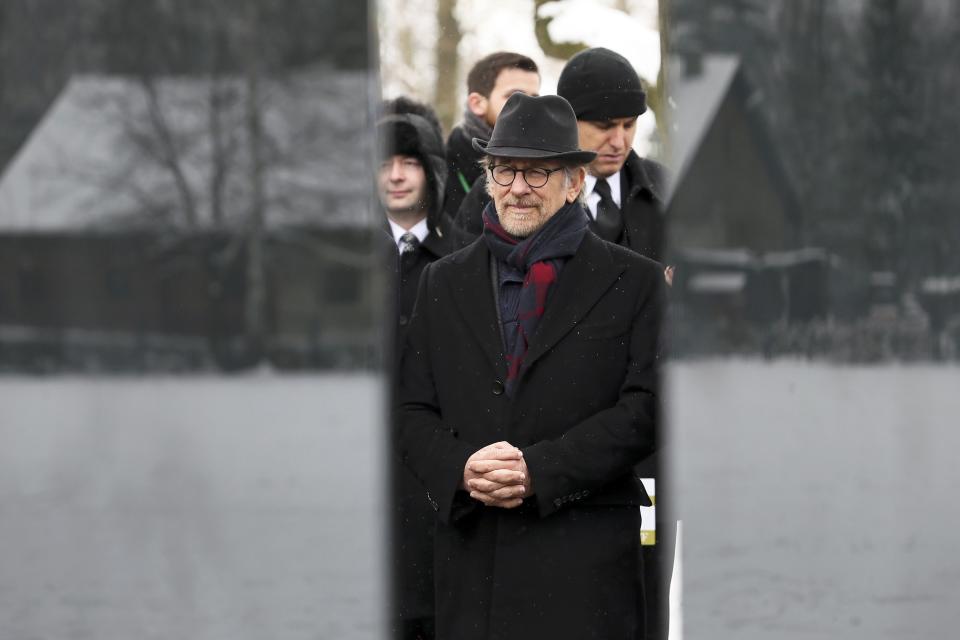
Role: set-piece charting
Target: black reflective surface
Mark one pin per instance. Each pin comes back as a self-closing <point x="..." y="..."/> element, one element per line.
<point x="191" y="396"/>
<point x="815" y="317"/>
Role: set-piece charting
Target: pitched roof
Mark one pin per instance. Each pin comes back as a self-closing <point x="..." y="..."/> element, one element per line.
<point x="102" y="156"/>
<point x="696" y="98"/>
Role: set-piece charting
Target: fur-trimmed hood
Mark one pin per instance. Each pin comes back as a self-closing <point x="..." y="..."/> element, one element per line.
<point x="413" y="135"/>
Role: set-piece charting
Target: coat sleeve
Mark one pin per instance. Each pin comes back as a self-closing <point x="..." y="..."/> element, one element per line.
<point x="427" y="446"/>
<point x="606" y="445"/>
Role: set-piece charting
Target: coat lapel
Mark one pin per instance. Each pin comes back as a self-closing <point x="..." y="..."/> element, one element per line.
<point x="437" y="245"/>
<point x="583" y="281"/>
<point x="639" y="175"/>
<point x="473" y="294"/>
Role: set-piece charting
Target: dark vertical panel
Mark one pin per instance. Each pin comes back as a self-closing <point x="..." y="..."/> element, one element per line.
<point x="815" y="317"/>
<point x="191" y="394"/>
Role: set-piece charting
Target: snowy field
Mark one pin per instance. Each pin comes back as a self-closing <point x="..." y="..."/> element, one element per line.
<point x="190" y="508"/>
<point x="818" y="501"/>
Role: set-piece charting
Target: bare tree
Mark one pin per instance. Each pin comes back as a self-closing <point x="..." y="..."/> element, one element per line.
<point x="448" y="62"/>
<point x="230" y="146"/>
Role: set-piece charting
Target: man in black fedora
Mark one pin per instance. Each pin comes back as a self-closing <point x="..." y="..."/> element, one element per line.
<point x="623" y="192"/>
<point x="528" y="391"/>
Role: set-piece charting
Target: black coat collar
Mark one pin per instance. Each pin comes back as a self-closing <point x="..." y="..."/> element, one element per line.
<point x="642" y="175"/>
<point x="437" y="243"/>
<point x="459" y="143"/>
<point x="585" y="278"/>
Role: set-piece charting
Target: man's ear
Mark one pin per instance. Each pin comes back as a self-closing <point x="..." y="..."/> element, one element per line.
<point x="576" y="183"/>
<point x="477" y="103"/>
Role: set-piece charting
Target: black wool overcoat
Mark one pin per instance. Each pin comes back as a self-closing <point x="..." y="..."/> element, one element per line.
<point x="642" y="185"/>
<point x="413" y="517"/>
<point x="566" y="563"/>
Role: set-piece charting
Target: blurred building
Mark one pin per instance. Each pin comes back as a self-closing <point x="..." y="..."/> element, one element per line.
<point x="730" y="188"/>
<point x="734" y="216"/>
<point x="137" y="219"/>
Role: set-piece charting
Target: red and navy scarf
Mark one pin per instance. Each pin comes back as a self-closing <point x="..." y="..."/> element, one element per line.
<point x="540" y="257"/>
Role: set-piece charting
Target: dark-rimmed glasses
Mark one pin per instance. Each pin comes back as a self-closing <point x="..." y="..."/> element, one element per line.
<point x="504" y="175"/>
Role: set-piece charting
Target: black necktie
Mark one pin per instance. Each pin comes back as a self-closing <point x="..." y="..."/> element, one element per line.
<point x="408" y="243"/>
<point x="609" y="222"/>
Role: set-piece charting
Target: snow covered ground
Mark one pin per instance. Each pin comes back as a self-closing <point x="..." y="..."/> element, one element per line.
<point x="190" y="508"/>
<point x="818" y="501"/>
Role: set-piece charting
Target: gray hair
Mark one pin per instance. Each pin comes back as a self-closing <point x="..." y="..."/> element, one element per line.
<point x="568" y="177"/>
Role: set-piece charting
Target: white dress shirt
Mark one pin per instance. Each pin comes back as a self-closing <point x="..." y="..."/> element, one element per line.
<point x="421" y="230"/>
<point x="593" y="199"/>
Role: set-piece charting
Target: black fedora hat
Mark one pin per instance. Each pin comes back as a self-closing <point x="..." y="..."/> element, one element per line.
<point x="542" y="128"/>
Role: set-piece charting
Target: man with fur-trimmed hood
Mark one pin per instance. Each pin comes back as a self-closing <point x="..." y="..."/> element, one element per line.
<point x="410" y="184"/>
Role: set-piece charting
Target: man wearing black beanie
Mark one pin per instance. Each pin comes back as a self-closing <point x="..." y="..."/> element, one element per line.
<point x="624" y="191"/>
<point x="624" y="198"/>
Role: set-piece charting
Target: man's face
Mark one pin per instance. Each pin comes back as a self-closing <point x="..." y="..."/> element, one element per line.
<point x="524" y="209"/>
<point x="509" y="82"/>
<point x="611" y="140"/>
<point x="402" y="185"/>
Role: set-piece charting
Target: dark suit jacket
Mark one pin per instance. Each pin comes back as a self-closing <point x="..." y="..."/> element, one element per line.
<point x="565" y="564"/>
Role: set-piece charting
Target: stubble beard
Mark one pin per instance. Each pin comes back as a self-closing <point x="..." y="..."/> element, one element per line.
<point x="521" y="226"/>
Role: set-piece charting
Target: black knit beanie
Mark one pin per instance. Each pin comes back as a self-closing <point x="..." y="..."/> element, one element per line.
<point x="600" y="85"/>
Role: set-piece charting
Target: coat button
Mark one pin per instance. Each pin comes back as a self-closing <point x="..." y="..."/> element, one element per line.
<point x="497" y="387"/>
<point x="404" y="320"/>
<point x="557" y="502"/>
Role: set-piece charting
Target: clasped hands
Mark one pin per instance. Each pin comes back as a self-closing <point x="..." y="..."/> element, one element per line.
<point x="497" y="476"/>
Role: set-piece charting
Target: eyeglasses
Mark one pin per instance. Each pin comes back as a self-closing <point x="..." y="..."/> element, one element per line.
<point x="504" y="174"/>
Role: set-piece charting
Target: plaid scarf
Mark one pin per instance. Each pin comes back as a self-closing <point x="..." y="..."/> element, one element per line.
<point x="540" y="257"/>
